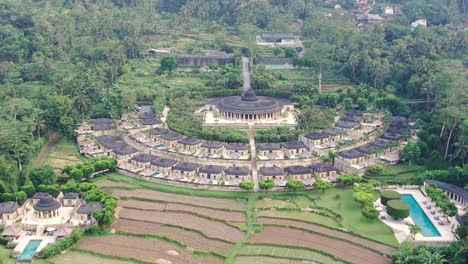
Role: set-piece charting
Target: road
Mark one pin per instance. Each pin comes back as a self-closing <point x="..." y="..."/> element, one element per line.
<point x="246" y="73"/>
<point x="253" y="156"/>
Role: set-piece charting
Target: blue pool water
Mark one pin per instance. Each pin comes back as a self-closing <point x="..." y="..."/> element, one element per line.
<point x="29" y="250"/>
<point x="419" y="217"/>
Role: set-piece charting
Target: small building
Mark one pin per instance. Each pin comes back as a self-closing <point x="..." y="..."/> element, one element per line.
<point x="351" y="157"/>
<point x="85" y="211"/>
<point x="102" y="126"/>
<point x="189" y="144"/>
<point x="387" y="146"/>
<point x="160" y="51"/>
<point x="47" y="207"/>
<point x="186" y="169"/>
<point x="323" y="170"/>
<point x="236" y="173"/>
<point x="334" y="133"/>
<point x="170" y="139"/>
<point x="269" y="150"/>
<point x="370" y="150"/>
<point x="143" y="160"/>
<point x="37" y="196"/>
<point x="388" y="11"/>
<point x="315" y="139"/>
<point x="210" y="58"/>
<point x="157" y="132"/>
<point x="294" y="148"/>
<point x="108" y="143"/>
<point x="456" y="193"/>
<point x="346" y="125"/>
<point x="237" y="149"/>
<point x="211" y="172"/>
<point x="9" y="211"/>
<point x="272" y="173"/>
<point x="212" y="147"/>
<point x="299" y="172"/>
<point x="374" y="19"/>
<point x="163" y="165"/>
<point x="420" y="22"/>
<point x="123" y="153"/>
<point x="70" y="199"/>
<point x="278" y="40"/>
<point x="275" y="63"/>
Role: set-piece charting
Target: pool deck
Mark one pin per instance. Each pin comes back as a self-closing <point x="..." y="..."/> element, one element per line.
<point x="23" y="241"/>
<point x="401" y="229"/>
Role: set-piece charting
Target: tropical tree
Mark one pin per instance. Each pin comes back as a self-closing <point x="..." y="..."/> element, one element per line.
<point x="323" y="185"/>
<point x="247" y="185"/>
<point x="414" y="229"/>
<point x="266" y="185"/>
<point x="332" y="156"/>
<point x="295" y="185"/>
<point x="410" y="152"/>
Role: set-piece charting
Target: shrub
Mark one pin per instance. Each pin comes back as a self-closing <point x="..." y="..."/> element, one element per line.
<point x="349" y="179"/>
<point x="369" y="212"/>
<point x="60" y="245"/>
<point x="4" y="241"/>
<point x="388" y="195"/>
<point x="375" y="169"/>
<point x="398" y="209"/>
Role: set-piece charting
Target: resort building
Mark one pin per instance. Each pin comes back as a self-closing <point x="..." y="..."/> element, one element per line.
<point x="237" y="174"/>
<point x="210" y="58"/>
<point x="211" y="172"/>
<point x="70" y="199"/>
<point x="123" y="153"/>
<point x="157" y="132"/>
<point x="47" y="207"/>
<point x="323" y="171"/>
<point x="37" y="196"/>
<point x="278" y="40"/>
<point x="299" y="172"/>
<point x="237" y="150"/>
<point x="392" y="136"/>
<point x="351" y="157"/>
<point x="314" y="139"/>
<point x="102" y="126"/>
<point x="146" y="116"/>
<point x="370" y="151"/>
<point x="334" y="133"/>
<point x="170" y="139"/>
<point x="270" y="150"/>
<point x="163" y="166"/>
<point x="143" y="160"/>
<point x="85" y="211"/>
<point x="185" y="169"/>
<point x="295" y="148"/>
<point x="189" y="144"/>
<point x="346" y="125"/>
<point x="272" y="173"/>
<point x="386" y="146"/>
<point x="456" y="193"/>
<point x="109" y="143"/>
<point x="9" y="212"/>
<point x="210" y="148"/>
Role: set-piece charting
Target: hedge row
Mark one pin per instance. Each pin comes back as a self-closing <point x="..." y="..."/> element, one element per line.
<point x="398" y="209"/>
<point x="60" y="245"/>
<point x="388" y="195"/>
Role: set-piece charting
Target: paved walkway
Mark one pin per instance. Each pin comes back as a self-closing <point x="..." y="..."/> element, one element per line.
<point x="164" y="113"/>
<point x="246" y="73"/>
<point x="253" y="155"/>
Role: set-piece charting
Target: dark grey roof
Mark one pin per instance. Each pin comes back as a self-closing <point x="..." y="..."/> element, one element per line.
<point x="397" y="129"/>
<point x="274" y="37"/>
<point x="322" y="167"/>
<point x="100" y="124"/>
<point x="450" y="188"/>
<point x="8" y="207"/>
<point x="236" y="146"/>
<point x="171" y="136"/>
<point x="46" y="204"/>
<point x="71" y="195"/>
<point x="146" y="112"/>
<point x="211" y="169"/>
<point x="163" y="163"/>
<point x="355" y="119"/>
<point x="189" y="141"/>
<point x="368" y="149"/>
<point x="355" y="112"/>
<point x="391" y="136"/>
<point x="249" y="103"/>
<point x="111" y="142"/>
<point x="40" y="195"/>
<point x="144" y="158"/>
<point x="400" y="119"/>
<point x="125" y="150"/>
<point x="382" y="143"/>
<point x="346" y="124"/>
<point x="159" y="131"/>
<point x="333" y="131"/>
<point x="212" y="144"/>
<point x="351" y="154"/>
<point x="297" y="170"/>
<point x="269" y="146"/>
<point x="294" y="145"/>
<point x="237" y="171"/>
<point x="272" y="171"/>
<point x="89" y="208"/>
<point x="186" y="166"/>
<point x="316" y="135"/>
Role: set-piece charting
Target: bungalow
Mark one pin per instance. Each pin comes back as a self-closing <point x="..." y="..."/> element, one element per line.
<point x="272" y="173"/>
<point x="281" y="40"/>
<point x="85" y="211"/>
<point x="163" y="166"/>
<point x="294" y="148"/>
<point x="370" y="150"/>
<point x="346" y="125"/>
<point x="334" y="133"/>
<point x="456" y="193"/>
<point x="237" y="149"/>
<point x="299" y="172"/>
<point x="124" y="152"/>
<point x="157" y="132"/>
<point x="108" y="143"/>
<point x="212" y="147"/>
<point x="351" y="157"/>
<point x="189" y="144"/>
<point x="9" y="211"/>
<point x="143" y="160"/>
<point x="323" y="170"/>
<point x="102" y="126"/>
<point x="70" y="199"/>
<point x="147" y="116"/>
<point x="236" y="173"/>
<point x="271" y="150"/>
<point x="170" y="139"/>
<point x="315" y="139"/>
<point x="38" y="196"/>
<point x="186" y="169"/>
<point x="386" y="145"/>
<point x="211" y="172"/>
<point x="392" y="136"/>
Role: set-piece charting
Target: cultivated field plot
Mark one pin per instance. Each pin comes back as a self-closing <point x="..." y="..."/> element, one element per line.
<point x="299" y="215"/>
<point x="74" y="257"/>
<point x="184" y="199"/>
<point x="190" y="238"/>
<point x="341" y="249"/>
<point x="212" y="229"/>
<point x="149" y="250"/>
<point x="331" y="232"/>
<point x="64" y="153"/>
<point x="268" y="260"/>
<point x="113" y="184"/>
<point x="286" y="253"/>
<point x="211" y="213"/>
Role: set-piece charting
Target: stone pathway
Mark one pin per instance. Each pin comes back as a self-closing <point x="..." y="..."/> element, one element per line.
<point x="253" y="152"/>
<point x="246" y="73"/>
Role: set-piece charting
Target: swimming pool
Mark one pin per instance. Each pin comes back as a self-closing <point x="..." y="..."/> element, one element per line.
<point x="28" y="253"/>
<point x="419" y="217"/>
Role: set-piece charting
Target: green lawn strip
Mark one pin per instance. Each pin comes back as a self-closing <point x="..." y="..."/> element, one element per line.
<point x="74" y="256"/>
<point x="89" y="252"/>
<point x="293" y="248"/>
<point x="303" y="216"/>
<point x="5" y="256"/>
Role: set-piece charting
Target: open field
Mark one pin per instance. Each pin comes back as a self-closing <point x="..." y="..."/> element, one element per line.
<point x="268" y="260"/>
<point x="82" y="257"/>
<point x="148" y="250"/>
<point x="299" y="215"/>
<point x="297" y="238"/>
<point x="64" y="153"/>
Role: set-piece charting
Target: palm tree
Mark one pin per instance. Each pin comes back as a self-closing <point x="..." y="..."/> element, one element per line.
<point x="435" y="257"/>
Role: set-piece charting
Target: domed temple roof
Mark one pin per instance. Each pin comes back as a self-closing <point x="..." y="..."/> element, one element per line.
<point x="250" y="103"/>
<point x="47" y="203"/>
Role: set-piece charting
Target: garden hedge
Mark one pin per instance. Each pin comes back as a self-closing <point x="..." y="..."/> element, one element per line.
<point x="388" y="195"/>
<point x="398" y="209"/>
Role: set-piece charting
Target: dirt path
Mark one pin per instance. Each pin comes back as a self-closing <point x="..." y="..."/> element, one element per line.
<point x="53" y="140"/>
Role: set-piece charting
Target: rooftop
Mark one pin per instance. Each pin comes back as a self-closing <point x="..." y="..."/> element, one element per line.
<point x="294" y="145"/>
<point x="125" y="150"/>
<point x="381" y="143"/>
<point x="110" y="142"/>
<point x="351" y="154"/>
<point x="316" y="135"/>
<point x="89" y="208"/>
<point x="46" y="203"/>
<point x="236" y="146"/>
<point x="186" y="166"/>
<point x="391" y="136"/>
<point x="40" y="195"/>
<point x="272" y="171"/>
<point x="71" y="195"/>
<point x="322" y="167"/>
<point x="212" y="169"/>
<point x="346" y="124"/>
<point x="8" y="207"/>
<point x="171" y="136"/>
<point x="333" y="131"/>
<point x="269" y="146"/>
<point x="189" y="141"/>
<point x="101" y="124"/>
<point x="159" y="131"/>
<point x="212" y="144"/>
<point x="237" y="171"/>
<point x="368" y="149"/>
<point x="144" y="158"/>
<point x="163" y="163"/>
<point x="450" y="188"/>
<point x="297" y="170"/>
<point x="250" y="103"/>
<point x="277" y="36"/>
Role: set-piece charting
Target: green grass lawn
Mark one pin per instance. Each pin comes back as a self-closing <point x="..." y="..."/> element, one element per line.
<point x="66" y="152"/>
<point x="269" y="203"/>
<point x="398" y="174"/>
<point x="72" y="256"/>
<point x="5" y="256"/>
